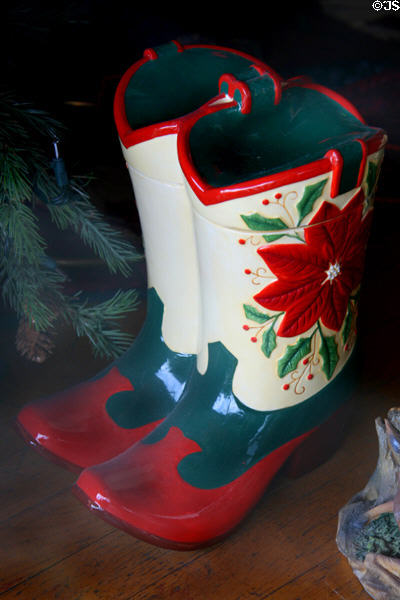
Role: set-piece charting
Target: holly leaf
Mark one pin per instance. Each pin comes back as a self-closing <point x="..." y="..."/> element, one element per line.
<point x="311" y="194"/>
<point x="272" y="237"/>
<point x="259" y="223"/>
<point x="268" y="341"/>
<point x="347" y="326"/>
<point x="255" y="315"/>
<point x="328" y="352"/>
<point x="293" y="356"/>
<point x="371" y="177"/>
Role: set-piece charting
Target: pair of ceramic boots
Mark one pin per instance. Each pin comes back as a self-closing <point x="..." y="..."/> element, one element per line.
<point x="254" y="196"/>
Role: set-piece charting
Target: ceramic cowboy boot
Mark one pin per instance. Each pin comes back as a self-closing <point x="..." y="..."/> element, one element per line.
<point x="100" y="418"/>
<point x="281" y="181"/>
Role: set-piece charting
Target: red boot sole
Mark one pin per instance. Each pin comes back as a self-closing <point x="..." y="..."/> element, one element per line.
<point x="315" y="448"/>
<point x="139" y="533"/>
<point x="47" y="454"/>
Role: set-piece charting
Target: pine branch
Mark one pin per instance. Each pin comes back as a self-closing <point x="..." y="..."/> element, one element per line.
<point x="98" y="322"/>
<point x="15" y="181"/>
<point x="31" y="283"/>
<point x="32" y="291"/>
<point x="23" y="119"/>
<point x="106" y="242"/>
<point x="19" y="226"/>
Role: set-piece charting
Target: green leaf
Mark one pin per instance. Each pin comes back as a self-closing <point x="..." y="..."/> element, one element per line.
<point x="255" y="315"/>
<point x="259" y="223"/>
<point x="347" y="326"/>
<point x="272" y="237"/>
<point x="268" y="341"/>
<point x="328" y="352"/>
<point x="293" y="356"/>
<point x="311" y="194"/>
<point x="371" y="177"/>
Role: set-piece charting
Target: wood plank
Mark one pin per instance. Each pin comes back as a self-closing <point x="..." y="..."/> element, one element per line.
<point x="43" y="535"/>
<point x="300" y="516"/>
<point x="30" y="480"/>
<point x="333" y="579"/>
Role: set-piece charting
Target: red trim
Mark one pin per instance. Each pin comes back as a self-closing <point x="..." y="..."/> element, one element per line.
<point x="298" y="80"/>
<point x="260" y="70"/>
<point x="332" y="161"/>
<point x="277" y="79"/>
<point x="334" y="96"/>
<point x="150" y="53"/>
<point x="124" y="129"/>
<point x="178" y="45"/>
<point x="208" y="195"/>
<point x="336" y="160"/>
<point x="129" y="136"/>
<point x="363" y="161"/>
<point x="237" y="85"/>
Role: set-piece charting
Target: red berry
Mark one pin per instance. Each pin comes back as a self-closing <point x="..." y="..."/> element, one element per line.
<point x="253" y="339"/>
<point x="305" y="361"/>
<point x="286" y="386"/>
<point x="278" y="196"/>
<point x="310" y="376"/>
<point x="247" y="271"/>
<point x="242" y="241"/>
<point x="266" y="201"/>
<point x="246" y="327"/>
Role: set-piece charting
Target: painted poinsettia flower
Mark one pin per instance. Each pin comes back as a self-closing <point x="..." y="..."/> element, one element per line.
<point x="316" y="278"/>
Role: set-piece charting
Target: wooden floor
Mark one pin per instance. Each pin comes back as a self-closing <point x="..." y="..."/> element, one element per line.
<point x="53" y="547"/>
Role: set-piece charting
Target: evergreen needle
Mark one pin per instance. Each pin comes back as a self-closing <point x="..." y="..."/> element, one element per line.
<point x="31" y="283"/>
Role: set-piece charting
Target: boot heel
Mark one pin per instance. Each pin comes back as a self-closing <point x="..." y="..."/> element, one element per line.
<point x="321" y="444"/>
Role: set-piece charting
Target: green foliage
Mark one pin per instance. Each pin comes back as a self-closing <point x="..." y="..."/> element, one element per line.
<point x="380" y="536"/>
<point x="293" y="356"/>
<point x="31" y="283"/>
<point x="372" y="177"/>
<point x="311" y="194"/>
<point x="329" y="353"/>
<point x="254" y="314"/>
<point x="268" y="344"/>
<point x="98" y="323"/>
<point x="83" y="218"/>
<point x="258" y="222"/>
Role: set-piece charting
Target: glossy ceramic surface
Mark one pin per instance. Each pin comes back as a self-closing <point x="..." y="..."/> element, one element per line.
<point x="280" y="238"/>
<point x="100" y="418"/>
<point x="192" y="480"/>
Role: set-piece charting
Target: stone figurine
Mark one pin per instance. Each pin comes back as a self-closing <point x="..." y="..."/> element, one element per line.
<point x="368" y="530"/>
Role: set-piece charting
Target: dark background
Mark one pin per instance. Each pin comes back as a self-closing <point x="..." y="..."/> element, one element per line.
<point x="58" y="52"/>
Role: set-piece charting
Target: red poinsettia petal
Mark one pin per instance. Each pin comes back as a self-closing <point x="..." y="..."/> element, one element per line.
<point x="315" y="279"/>
<point x="320" y="234"/>
<point x="336" y="228"/>
<point x="293" y="261"/>
<point x="335" y="307"/>
<point x="282" y="294"/>
<point x="353" y="238"/>
<point x="359" y="231"/>
<point x="356" y="202"/>
<point x="303" y="314"/>
<point x="353" y="258"/>
<point x="352" y="273"/>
